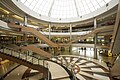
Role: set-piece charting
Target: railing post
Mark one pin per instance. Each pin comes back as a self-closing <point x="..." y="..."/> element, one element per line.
<point x="48" y="70"/>
<point x="48" y="74"/>
<point x="74" y="77"/>
<point x="26" y="55"/>
<point x="11" y="52"/>
<point x="38" y="61"/>
<point x="19" y="54"/>
<point x="43" y="63"/>
<point x="3" y="49"/>
<point x="32" y="59"/>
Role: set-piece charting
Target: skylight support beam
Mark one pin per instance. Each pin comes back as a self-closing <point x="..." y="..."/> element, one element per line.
<point x="64" y="10"/>
<point x="25" y="1"/>
<point x="49" y="13"/>
<point x="92" y="5"/>
<point x="88" y="6"/>
<point x="76" y="8"/>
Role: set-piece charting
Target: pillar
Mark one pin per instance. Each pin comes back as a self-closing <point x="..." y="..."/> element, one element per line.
<point x="25" y="20"/>
<point x="18" y="38"/>
<point x="49" y="35"/>
<point x="25" y="24"/>
<point x="70" y="32"/>
<point x="70" y="48"/>
<point x="49" y="32"/>
<point x="107" y="40"/>
<point x="95" y="40"/>
<point x="55" y="51"/>
<point x="33" y="39"/>
<point x="85" y="51"/>
<point x="25" y="39"/>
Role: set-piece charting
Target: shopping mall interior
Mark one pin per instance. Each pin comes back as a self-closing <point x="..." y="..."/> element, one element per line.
<point x="59" y="39"/>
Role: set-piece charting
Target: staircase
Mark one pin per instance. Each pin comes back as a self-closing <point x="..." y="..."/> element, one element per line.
<point x="97" y="30"/>
<point x="34" y="32"/>
<point x="39" y="51"/>
<point x="25" y="58"/>
<point x="36" y="62"/>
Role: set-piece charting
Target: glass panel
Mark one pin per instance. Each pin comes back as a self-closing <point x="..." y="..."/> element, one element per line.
<point x="23" y="1"/>
<point x="107" y="1"/>
<point x="102" y="3"/>
<point x="64" y="8"/>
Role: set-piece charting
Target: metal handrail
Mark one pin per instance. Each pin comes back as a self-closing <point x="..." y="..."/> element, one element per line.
<point x="26" y="55"/>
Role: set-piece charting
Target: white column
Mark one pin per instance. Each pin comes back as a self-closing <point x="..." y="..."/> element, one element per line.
<point x="25" y="38"/>
<point x="70" y="48"/>
<point x="70" y="32"/>
<point x="25" y="20"/>
<point x="95" y="40"/>
<point x="49" y="32"/>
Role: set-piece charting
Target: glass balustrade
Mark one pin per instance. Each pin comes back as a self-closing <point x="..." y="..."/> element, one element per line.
<point x="31" y="57"/>
<point x="26" y="56"/>
<point x="66" y="31"/>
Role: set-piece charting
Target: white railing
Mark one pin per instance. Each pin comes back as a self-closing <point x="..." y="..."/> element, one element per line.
<point x="65" y="34"/>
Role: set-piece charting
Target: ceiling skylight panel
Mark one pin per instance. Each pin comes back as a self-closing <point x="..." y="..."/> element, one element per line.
<point x="33" y="4"/>
<point x="94" y="2"/>
<point x="107" y="1"/>
<point x="99" y="0"/>
<point x="91" y="7"/>
<point x="78" y="7"/>
<point x="27" y="3"/>
<point x="86" y="6"/>
<point x="102" y="3"/>
<point x="30" y="1"/>
<point x="23" y="1"/>
<point x="64" y="8"/>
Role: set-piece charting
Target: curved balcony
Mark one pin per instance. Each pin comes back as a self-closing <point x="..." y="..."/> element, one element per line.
<point x="62" y="33"/>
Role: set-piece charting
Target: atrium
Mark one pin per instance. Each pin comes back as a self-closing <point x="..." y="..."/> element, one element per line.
<point x="59" y="39"/>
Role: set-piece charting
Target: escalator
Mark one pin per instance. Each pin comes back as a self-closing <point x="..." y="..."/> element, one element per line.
<point x="34" y="32"/>
<point x="91" y="34"/>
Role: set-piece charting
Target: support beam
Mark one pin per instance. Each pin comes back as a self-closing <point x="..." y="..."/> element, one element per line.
<point x="85" y="52"/>
<point x="70" y="32"/>
<point x="25" y="20"/>
<point x="49" y="13"/>
<point x="49" y="32"/>
<point x="70" y="48"/>
<point x="49" y="35"/>
<point x="76" y="8"/>
<point x="95" y="40"/>
<point x="18" y="38"/>
<point x="25" y="38"/>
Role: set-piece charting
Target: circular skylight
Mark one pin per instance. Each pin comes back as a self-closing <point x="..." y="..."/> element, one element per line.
<point x="64" y="8"/>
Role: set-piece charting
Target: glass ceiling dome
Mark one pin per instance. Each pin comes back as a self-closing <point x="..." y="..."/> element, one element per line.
<point x="64" y="9"/>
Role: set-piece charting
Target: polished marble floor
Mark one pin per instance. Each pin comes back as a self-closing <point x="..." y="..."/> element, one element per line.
<point x="83" y="68"/>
